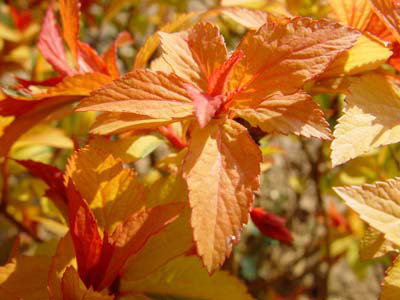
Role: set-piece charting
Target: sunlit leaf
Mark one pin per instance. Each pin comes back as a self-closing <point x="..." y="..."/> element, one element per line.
<point x="370" y="118"/>
<point x="223" y="158"/>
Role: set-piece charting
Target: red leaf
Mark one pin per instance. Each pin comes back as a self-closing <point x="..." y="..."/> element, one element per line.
<point x="51" y="175"/>
<point x="51" y="44"/>
<point x="271" y="225"/>
<point x="49" y="82"/>
<point x="219" y="78"/>
<point x="84" y="233"/>
<point x="14" y="107"/>
<point x="205" y="106"/>
<point x="21" y="19"/>
<point x="89" y="61"/>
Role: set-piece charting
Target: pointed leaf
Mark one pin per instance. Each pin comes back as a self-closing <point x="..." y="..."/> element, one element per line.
<point x="368" y="54"/>
<point x="152" y="42"/>
<point x="355" y="13"/>
<point x="391" y="282"/>
<point x="89" y="60"/>
<point x="296" y="113"/>
<point x="110" y="56"/>
<point x="370" y="119"/>
<point x="282" y="57"/>
<point x="205" y="106"/>
<point x="207" y="47"/>
<point x="110" y="190"/>
<point x="64" y="257"/>
<point x="271" y="225"/>
<point x="377" y="204"/>
<point x="223" y="158"/>
<point x="175" y="240"/>
<point x="249" y="18"/>
<point x="144" y="93"/>
<point x="74" y="289"/>
<point x="186" y="278"/>
<point x="43" y="111"/>
<point x="84" y="233"/>
<point x="132" y="236"/>
<point x="178" y="57"/>
<point x="25" y="278"/>
<point x="51" y="44"/>
<point x="389" y="13"/>
<point x="69" y="10"/>
<point x="113" y="123"/>
<point x="373" y="244"/>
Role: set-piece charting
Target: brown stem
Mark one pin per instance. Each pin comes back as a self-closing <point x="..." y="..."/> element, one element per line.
<point x="20" y="226"/>
<point x="4" y="192"/>
<point x="315" y="175"/>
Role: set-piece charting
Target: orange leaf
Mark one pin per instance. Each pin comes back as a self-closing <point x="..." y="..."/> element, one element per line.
<point x="51" y="44"/>
<point x="249" y="18"/>
<point x="207" y="47"/>
<point x="144" y="93"/>
<point x="25" y="277"/>
<point x="355" y="13"/>
<point x="296" y="113"/>
<point x="223" y="158"/>
<point x="389" y="13"/>
<point x="74" y="289"/>
<point x="282" y="57"/>
<point x="69" y="10"/>
<point x="110" y="56"/>
<point x="63" y="257"/>
<point x="77" y="85"/>
<point x="112" y="191"/>
<point x="177" y="57"/>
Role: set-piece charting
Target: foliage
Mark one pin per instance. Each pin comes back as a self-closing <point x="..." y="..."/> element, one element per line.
<point x="200" y="94"/>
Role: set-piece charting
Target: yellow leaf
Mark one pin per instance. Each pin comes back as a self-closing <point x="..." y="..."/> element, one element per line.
<point x="112" y="191"/>
<point x="296" y="113"/>
<point x="249" y="18"/>
<point x="151" y="44"/>
<point x="370" y="118"/>
<point x="45" y="135"/>
<point x="373" y="244"/>
<point x="64" y="257"/>
<point x="391" y="282"/>
<point x="186" y="277"/>
<point x="221" y="170"/>
<point x="367" y="54"/>
<point x="377" y="204"/>
<point x="174" y="240"/>
<point x="25" y="278"/>
<point x="355" y="13"/>
<point x="129" y="149"/>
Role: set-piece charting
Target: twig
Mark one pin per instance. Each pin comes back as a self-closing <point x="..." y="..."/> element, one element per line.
<point x="393" y="155"/>
<point x="20" y="226"/>
<point x="315" y="176"/>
